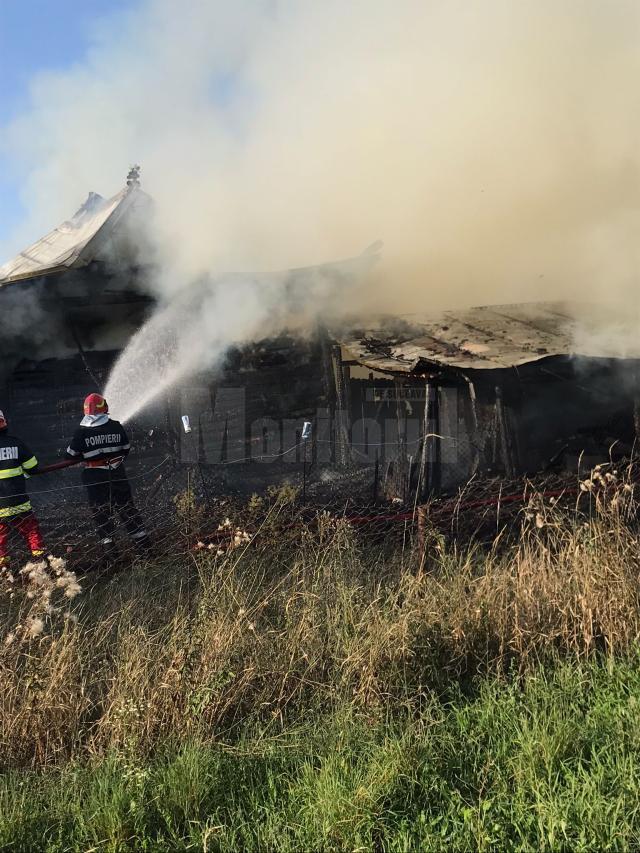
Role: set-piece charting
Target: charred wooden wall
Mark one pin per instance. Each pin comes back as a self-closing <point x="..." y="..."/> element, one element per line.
<point x="247" y="416"/>
<point x="434" y="432"/>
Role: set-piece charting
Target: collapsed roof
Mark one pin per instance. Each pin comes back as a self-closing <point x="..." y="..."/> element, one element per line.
<point x="480" y="338"/>
<point x="78" y="241"/>
<point x="492" y="337"/>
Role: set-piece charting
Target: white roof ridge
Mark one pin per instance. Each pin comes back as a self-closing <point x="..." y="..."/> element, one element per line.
<point x="74" y="242"/>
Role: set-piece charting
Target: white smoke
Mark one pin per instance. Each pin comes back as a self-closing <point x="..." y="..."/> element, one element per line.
<point x="195" y="329"/>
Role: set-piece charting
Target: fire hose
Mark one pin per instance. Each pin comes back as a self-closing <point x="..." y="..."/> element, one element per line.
<point x="59" y="466"/>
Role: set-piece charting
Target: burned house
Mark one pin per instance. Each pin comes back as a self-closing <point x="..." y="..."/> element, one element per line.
<point x="68" y="305"/>
<point x="421" y="405"/>
<point x="414" y="405"/>
<point x="502" y="390"/>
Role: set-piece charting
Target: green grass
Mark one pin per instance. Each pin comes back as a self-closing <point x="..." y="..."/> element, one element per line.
<point x="310" y="691"/>
<point x="547" y="762"/>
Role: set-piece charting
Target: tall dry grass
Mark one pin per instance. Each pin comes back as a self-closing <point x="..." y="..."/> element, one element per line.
<point x="308" y="618"/>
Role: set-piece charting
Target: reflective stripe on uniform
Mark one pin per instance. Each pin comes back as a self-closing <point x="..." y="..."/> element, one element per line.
<point x="104" y="451"/>
<point x="30" y="463"/>
<point x="7" y="512"/>
<point x="7" y="473"/>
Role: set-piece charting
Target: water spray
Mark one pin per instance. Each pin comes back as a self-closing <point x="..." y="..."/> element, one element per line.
<point x="195" y="330"/>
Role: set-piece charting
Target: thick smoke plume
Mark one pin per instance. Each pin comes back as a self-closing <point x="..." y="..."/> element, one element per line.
<point x="493" y="145"/>
<point x="194" y="329"/>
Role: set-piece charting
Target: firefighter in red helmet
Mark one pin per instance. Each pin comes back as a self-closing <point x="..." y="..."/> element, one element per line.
<point x="103" y="445"/>
<point x="17" y="462"/>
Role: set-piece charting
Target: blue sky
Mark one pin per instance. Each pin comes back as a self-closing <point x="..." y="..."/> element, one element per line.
<point x="37" y="35"/>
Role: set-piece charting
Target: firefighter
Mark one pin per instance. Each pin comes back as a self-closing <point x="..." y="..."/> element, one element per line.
<point x="103" y="445"/>
<point x="16" y="462"/>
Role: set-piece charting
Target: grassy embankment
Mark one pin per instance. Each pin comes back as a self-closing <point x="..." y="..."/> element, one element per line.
<point x="308" y="691"/>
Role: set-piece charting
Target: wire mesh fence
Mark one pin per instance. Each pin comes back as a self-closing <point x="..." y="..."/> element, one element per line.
<point x="185" y="509"/>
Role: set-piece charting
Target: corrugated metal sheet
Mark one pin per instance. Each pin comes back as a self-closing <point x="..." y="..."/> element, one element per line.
<point x="76" y="242"/>
<point x="494" y="336"/>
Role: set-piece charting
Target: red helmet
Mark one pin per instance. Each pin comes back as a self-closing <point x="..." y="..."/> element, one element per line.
<point x="3" y="421"/>
<point x="95" y="404"/>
